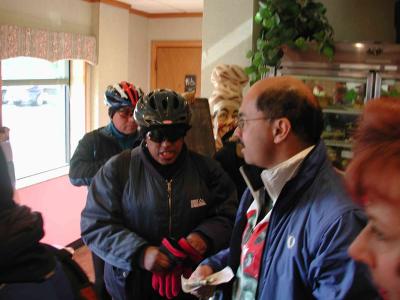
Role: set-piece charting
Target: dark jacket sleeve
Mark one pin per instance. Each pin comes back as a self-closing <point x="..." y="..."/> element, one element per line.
<point x="102" y="226"/>
<point x="217" y="227"/>
<point x="83" y="164"/>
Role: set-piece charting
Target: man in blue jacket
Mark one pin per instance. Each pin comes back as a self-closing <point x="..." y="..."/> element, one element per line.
<point x="291" y="236"/>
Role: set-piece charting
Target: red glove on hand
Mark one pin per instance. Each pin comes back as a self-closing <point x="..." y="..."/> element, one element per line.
<point x="194" y="256"/>
<point x="184" y="256"/>
<point x="169" y="284"/>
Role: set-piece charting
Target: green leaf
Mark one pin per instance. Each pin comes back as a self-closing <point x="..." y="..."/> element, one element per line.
<point x="328" y="51"/>
<point x="320" y="9"/>
<point x="268" y="23"/>
<point x="274" y="43"/>
<point x="300" y="43"/>
<point x="319" y="36"/>
<point x="257" y="59"/>
<point x="272" y="54"/>
<point x="350" y="96"/>
<point x="394" y="93"/>
<point x="262" y="4"/>
<point x="249" y="54"/>
<point x="250" y="70"/>
<point x="277" y="19"/>
<point x="253" y="78"/>
<point x="261" y="44"/>
<point x="262" y="69"/>
<point x="258" y="19"/>
<point x="265" y="12"/>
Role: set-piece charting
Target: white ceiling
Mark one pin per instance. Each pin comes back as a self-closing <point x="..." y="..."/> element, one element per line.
<point x="166" y="6"/>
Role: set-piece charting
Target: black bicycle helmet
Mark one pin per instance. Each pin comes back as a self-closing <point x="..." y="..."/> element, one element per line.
<point x="162" y="107"/>
<point x="122" y="94"/>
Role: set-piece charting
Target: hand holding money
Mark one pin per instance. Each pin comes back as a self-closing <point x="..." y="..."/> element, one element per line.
<point x="203" y="281"/>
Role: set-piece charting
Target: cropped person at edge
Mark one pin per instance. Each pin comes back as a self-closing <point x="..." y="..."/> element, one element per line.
<point x="373" y="178"/>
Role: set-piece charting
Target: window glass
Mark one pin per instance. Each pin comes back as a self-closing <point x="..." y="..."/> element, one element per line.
<point x="390" y="88"/>
<point x="22" y="68"/>
<point x="35" y="108"/>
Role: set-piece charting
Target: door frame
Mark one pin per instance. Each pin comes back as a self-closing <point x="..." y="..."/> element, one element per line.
<point x="167" y="44"/>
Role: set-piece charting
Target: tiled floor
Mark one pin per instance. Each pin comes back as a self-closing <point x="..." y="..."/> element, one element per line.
<point x="83" y="257"/>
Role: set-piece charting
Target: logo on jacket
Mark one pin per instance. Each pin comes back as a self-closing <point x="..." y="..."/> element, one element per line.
<point x="197" y="203"/>
<point x="291" y="240"/>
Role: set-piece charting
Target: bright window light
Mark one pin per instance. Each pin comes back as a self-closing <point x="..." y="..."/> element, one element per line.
<point x="35" y="107"/>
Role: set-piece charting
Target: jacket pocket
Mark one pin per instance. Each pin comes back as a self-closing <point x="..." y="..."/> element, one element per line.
<point x="116" y="281"/>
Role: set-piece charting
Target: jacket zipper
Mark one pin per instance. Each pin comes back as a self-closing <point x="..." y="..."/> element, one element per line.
<point x="169" y="189"/>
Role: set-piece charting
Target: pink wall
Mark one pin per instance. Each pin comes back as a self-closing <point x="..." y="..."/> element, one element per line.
<point x="60" y="204"/>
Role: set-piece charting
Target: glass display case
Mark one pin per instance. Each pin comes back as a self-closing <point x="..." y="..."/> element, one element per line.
<point x="358" y="73"/>
<point x="387" y="82"/>
<point x="341" y="99"/>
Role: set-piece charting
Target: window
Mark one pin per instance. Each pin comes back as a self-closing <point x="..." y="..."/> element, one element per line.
<point x="35" y="107"/>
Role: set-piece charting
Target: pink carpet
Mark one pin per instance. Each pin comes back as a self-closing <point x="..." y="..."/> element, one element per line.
<point x="60" y="204"/>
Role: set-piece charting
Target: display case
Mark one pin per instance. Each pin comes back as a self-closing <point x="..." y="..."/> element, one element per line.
<point x="387" y="83"/>
<point x="359" y="73"/>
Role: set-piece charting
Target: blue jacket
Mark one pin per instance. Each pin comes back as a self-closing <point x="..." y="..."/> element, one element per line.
<point x="131" y="206"/>
<point x="311" y="227"/>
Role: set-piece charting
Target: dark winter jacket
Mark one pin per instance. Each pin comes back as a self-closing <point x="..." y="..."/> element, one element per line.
<point x="311" y="227"/>
<point x="130" y="205"/>
<point x="94" y="149"/>
<point x="22" y="257"/>
<point x="28" y="269"/>
<point x="231" y="163"/>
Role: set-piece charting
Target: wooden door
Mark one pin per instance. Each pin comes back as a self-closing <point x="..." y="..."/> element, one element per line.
<point x="176" y="63"/>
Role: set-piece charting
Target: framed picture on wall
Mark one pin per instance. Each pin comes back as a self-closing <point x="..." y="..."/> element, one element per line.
<point x="190" y="83"/>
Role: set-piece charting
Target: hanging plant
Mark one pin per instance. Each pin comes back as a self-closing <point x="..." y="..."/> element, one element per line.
<point x="294" y="23"/>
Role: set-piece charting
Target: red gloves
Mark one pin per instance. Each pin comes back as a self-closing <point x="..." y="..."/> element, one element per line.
<point x="194" y="256"/>
<point x="183" y="258"/>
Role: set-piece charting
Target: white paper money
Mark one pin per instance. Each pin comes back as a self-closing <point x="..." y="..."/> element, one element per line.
<point x="220" y="277"/>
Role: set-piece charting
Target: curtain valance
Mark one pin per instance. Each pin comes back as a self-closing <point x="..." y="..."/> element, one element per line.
<point x="23" y="41"/>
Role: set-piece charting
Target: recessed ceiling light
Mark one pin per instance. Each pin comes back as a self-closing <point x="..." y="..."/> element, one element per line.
<point x="359" y="45"/>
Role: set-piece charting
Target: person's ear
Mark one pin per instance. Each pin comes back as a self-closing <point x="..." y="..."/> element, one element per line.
<point x="280" y="129"/>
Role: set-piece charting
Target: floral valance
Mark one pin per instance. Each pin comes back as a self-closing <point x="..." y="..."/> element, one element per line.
<point x="22" y="41"/>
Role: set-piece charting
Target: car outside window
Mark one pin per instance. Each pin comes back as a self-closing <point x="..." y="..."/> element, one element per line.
<point x="35" y="106"/>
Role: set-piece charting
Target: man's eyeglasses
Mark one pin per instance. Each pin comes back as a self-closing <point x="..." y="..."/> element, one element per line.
<point x="159" y="135"/>
<point x="126" y="112"/>
<point x="242" y="121"/>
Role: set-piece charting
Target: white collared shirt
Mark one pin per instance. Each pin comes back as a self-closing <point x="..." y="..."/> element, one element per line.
<point x="275" y="178"/>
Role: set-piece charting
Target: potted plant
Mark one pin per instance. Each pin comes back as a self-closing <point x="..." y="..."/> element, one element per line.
<point x="297" y="24"/>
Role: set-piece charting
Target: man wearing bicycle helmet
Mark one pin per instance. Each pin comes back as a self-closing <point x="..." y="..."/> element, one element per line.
<point x="97" y="146"/>
<point x="154" y="212"/>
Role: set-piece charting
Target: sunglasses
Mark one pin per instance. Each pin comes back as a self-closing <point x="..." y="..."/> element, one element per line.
<point x="166" y="134"/>
<point x="126" y="112"/>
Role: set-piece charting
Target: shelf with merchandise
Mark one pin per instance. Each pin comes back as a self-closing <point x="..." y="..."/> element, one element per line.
<point x="340" y="157"/>
<point x="339" y="144"/>
<point x="342" y="110"/>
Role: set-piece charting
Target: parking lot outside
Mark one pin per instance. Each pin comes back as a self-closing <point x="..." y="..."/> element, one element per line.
<point x="37" y="136"/>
